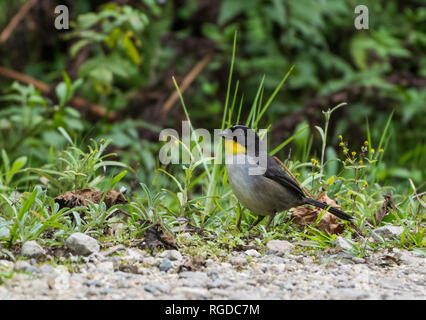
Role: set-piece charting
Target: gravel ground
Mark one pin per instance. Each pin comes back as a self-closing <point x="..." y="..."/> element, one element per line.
<point x="134" y="274"/>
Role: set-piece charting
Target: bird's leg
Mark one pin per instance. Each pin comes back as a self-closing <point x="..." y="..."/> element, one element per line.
<point x="239" y="221"/>
<point x="271" y="218"/>
<point x="259" y="218"/>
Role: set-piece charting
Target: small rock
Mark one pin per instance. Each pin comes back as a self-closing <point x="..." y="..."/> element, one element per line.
<point x="117" y="228"/>
<point x="410" y="259"/>
<point x="342" y="243"/>
<point x="94" y="257"/>
<point x="165" y="265"/>
<point x="47" y="269"/>
<point x="220" y="292"/>
<point x="172" y="255"/>
<point x="81" y="244"/>
<point x="6" y="265"/>
<point x="185" y="235"/>
<point x="348" y="294"/>
<point x="21" y="265"/>
<point x="212" y="274"/>
<point x="387" y="233"/>
<point x="151" y="261"/>
<point x="134" y="254"/>
<point x="221" y="284"/>
<point x="24" y="266"/>
<point x="252" y="253"/>
<point x="158" y="288"/>
<point x="358" y="260"/>
<point x="238" y="261"/>
<point x="123" y="283"/>
<point x="280" y="246"/>
<point x="193" y="275"/>
<point x="61" y="282"/>
<point x="32" y="249"/>
<point x="192" y="293"/>
<point x="105" y="267"/>
<point x="92" y="283"/>
<point x="4" y="293"/>
<point x="152" y="290"/>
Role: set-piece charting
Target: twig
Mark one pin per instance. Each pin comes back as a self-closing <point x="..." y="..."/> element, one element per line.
<point x="416" y="195"/>
<point x="15" y="20"/>
<point x="77" y="102"/>
<point x="189" y="78"/>
<point x="111" y="250"/>
<point x="12" y="74"/>
<point x="95" y="109"/>
<point x="291" y="175"/>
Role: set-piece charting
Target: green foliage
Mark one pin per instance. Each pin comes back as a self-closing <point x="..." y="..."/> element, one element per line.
<point x="290" y="55"/>
<point x="29" y="121"/>
<point x="74" y="169"/>
<point x="330" y="55"/>
<point x="114" y="33"/>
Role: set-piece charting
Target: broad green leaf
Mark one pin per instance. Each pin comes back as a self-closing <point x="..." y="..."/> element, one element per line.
<point x="61" y="93"/>
<point x="130" y="49"/>
<point x="17" y="164"/>
<point x="117" y="178"/>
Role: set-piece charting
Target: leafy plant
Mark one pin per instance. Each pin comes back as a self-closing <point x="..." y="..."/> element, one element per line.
<point x="75" y="169"/>
<point x="114" y="34"/>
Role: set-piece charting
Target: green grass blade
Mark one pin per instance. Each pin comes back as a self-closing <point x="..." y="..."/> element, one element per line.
<point x="239" y="110"/>
<point x="231" y="111"/>
<point x="117" y="178"/>
<point x="226" y="214"/>
<point x="271" y="98"/>
<point x="46" y="174"/>
<point x="382" y="138"/>
<point x="228" y="90"/>
<point x="27" y="205"/>
<point x="252" y="113"/>
<point x="367" y="125"/>
<point x="66" y="135"/>
<point x="283" y="144"/>
<point x="173" y="178"/>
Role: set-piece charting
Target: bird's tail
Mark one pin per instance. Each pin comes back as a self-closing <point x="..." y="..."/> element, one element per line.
<point x="335" y="211"/>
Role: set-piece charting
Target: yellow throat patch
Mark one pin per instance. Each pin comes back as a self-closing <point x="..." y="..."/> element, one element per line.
<point x="233" y="147"/>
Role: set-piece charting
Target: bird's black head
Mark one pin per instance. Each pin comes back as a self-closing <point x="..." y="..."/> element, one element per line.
<point x="239" y="139"/>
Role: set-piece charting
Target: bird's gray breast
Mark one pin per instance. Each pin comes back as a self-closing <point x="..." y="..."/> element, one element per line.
<point x="257" y="193"/>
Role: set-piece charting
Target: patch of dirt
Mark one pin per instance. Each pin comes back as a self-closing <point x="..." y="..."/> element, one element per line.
<point x="56" y="251"/>
<point x="156" y="237"/>
<point x="78" y="198"/>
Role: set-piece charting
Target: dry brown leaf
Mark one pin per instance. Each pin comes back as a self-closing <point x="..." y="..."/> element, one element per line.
<point x="196" y="263"/>
<point x="387" y="205"/>
<point x="305" y="215"/>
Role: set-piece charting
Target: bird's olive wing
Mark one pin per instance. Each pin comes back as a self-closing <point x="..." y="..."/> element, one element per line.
<point x="276" y="173"/>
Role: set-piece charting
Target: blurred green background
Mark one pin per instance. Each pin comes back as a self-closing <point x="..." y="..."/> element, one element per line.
<point x="121" y="56"/>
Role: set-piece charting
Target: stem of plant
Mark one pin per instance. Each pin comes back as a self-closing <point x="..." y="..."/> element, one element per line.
<point x="356" y="190"/>
<point x="327" y="119"/>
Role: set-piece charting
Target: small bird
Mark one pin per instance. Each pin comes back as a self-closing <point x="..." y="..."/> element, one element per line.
<point x="268" y="193"/>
